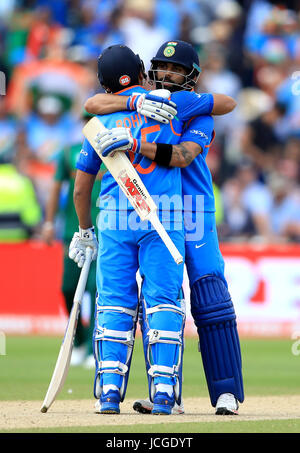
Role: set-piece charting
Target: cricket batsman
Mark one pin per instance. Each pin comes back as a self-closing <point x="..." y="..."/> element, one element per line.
<point x="212" y="308"/>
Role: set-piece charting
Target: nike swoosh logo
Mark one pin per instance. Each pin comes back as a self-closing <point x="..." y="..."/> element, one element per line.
<point x="201" y="245"/>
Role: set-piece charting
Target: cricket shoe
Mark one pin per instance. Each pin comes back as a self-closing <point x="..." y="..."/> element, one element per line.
<point x="163" y="403"/>
<point x="109" y="403"/>
<point x="227" y="404"/>
<point x="145" y="407"/>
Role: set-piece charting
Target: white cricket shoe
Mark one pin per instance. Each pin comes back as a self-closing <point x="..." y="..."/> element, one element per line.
<point x="97" y="407"/>
<point x="145" y="407"/>
<point x="227" y="404"/>
<point x="78" y="356"/>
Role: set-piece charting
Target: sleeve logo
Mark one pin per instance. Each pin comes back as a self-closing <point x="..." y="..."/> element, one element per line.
<point x="202" y="134"/>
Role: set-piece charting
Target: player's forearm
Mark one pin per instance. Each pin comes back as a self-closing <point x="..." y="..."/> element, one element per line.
<point x="82" y="198"/>
<point x="148" y="150"/>
<point x="82" y="203"/>
<point x="182" y="154"/>
<point x="223" y="104"/>
<point x="83" y="209"/>
<point x="104" y="103"/>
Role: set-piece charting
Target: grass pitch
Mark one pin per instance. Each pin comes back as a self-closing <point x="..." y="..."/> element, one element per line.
<point x="269" y="366"/>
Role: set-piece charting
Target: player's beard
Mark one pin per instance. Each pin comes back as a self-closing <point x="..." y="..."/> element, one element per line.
<point x="167" y="84"/>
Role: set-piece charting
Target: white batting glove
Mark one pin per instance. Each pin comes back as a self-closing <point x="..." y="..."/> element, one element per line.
<point x="80" y="241"/>
<point x="155" y="107"/>
<point x="116" y="139"/>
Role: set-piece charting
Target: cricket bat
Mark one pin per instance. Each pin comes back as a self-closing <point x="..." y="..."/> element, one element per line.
<point x="64" y="357"/>
<point x="131" y="184"/>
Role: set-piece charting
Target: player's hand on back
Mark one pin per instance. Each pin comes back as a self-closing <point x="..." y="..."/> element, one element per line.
<point x="80" y="241"/>
<point x="153" y="106"/>
<point x="116" y="139"/>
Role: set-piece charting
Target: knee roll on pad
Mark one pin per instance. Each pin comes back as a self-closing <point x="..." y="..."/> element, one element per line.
<point x="154" y="335"/>
<point x="215" y="319"/>
<point x="115" y="344"/>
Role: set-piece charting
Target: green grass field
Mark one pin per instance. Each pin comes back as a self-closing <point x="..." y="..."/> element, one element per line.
<point x="269" y="368"/>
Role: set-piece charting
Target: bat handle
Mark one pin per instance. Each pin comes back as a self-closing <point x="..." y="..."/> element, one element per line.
<point x="166" y="238"/>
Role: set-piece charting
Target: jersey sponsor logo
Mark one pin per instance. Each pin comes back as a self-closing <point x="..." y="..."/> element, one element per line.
<point x="83" y="152"/>
<point x="124" y="80"/>
<point x="169" y="51"/>
<point x="202" y="134"/>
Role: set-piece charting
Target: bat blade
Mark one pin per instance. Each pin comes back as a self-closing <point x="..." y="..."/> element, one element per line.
<point x="63" y="361"/>
<point x="64" y="357"/>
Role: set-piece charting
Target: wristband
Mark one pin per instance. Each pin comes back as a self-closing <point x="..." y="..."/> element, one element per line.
<point x="131" y="101"/>
<point x="163" y="154"/>
<point x="85" y="232"/>
<point x="136" y="147"/>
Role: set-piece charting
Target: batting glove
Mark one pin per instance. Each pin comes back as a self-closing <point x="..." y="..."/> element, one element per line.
<point x="80" y="241"/>
<point x="117" y="139"/>
<point x="155" y="107"/>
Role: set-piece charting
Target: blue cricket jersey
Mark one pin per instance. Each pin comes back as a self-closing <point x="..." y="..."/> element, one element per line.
<point x="158" y="180"/>
<point x="196" y="178"/>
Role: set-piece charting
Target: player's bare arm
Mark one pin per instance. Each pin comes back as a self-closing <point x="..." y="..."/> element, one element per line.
<point x="223" y="104"/>
<point x="105" y="103"/>
<point x="82" y="198"/>
<point x="182" y="154"/>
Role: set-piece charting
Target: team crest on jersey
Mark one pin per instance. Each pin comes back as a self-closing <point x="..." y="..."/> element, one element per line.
<point x="169" y="51"/>
<point x="124" y="80"/>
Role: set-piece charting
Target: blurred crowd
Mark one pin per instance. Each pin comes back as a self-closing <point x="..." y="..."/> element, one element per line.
<point x="249" y="50"/>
